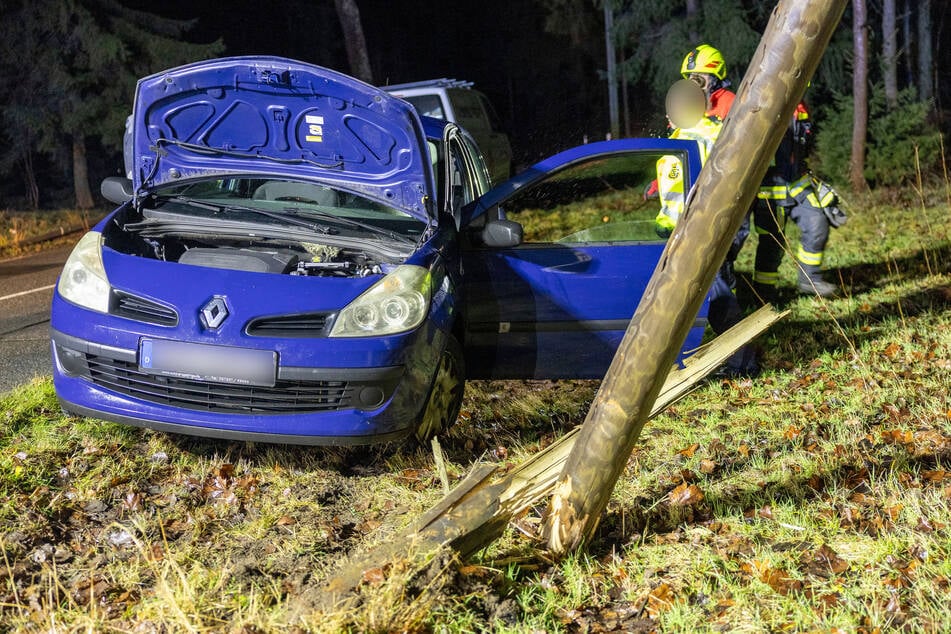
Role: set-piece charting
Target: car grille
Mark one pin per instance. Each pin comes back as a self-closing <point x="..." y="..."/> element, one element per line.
<point x="140" y="309"/>
<point x="285" y="397"/>
<point x="307" y="325"/>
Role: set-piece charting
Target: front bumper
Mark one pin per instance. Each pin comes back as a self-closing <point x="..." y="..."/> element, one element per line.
<point x="307" y="405"/>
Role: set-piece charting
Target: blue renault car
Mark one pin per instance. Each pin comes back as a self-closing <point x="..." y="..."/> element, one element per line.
<point x="298" y="257"/>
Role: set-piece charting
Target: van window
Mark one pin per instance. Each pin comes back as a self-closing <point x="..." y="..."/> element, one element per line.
<point x="494" y="122"/>
<point x="428" y="105"/>
<point x="469" y="112"/>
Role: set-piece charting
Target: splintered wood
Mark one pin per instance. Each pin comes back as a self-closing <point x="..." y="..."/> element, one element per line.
<point x="479" y="508"/>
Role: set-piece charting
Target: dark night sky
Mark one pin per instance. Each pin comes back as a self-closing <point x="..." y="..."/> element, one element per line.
<point x="548" y="94"/>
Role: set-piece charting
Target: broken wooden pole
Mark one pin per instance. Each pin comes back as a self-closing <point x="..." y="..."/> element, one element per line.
<point x="478" y="509"/>
<point x="788" y="54"/>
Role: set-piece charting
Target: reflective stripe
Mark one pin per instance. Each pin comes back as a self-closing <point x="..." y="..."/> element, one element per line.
<point x="766" y="277"/>
<point x="809" y="258"/>
<point x="773" y="192"/>
<point x="782" y="192"/>
<point x="826" y="200"/>
<point x="799" y="186"/>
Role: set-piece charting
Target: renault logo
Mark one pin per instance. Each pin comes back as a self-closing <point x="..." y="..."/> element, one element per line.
<point x="214" y="313"/>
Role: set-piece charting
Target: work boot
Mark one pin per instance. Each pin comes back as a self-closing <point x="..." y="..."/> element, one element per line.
<point x="811" y="283"/>
<point x="766" y="293"/>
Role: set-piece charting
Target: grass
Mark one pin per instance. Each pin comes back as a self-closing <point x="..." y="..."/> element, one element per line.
<point x="19" y="228"/>
<point x="816" y="497"/>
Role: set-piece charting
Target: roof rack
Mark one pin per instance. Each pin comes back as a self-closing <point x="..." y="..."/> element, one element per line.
<point x="445" y="82"/>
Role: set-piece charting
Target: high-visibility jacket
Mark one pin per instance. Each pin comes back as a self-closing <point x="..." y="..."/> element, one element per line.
<point x="670" y="172"/>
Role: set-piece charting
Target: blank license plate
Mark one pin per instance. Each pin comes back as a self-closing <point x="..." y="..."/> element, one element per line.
<point x="203" y="362"/>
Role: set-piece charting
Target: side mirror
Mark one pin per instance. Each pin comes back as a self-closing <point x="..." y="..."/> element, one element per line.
<point x="117" y="189"/>
<point x="502" y="234"/>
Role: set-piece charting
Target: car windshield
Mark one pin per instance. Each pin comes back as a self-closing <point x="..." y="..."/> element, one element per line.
<point x="339" y="210"/>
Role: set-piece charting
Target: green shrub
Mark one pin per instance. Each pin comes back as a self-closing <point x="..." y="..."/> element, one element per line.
<point x="892" y="139"/>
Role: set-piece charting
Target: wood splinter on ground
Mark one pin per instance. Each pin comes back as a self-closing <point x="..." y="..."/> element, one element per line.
<point x="479" y="508"/>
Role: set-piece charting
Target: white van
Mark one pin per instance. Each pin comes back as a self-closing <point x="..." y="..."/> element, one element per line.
<point x="457" y="101"/>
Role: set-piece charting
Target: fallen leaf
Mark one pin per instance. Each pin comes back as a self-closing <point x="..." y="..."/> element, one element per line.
<point x="686" y="495"/>
<point x="775" y="578"/>
<point x="689" y="451"/>
<point x="707" y="466"/>
<point x="935" y="476"/>
<point x="375" y="576"/>
<point x="825" y="562"/>
<point x="894" y="511"/>
<point x="659" y="600"/>
<point x="285" y="520"/>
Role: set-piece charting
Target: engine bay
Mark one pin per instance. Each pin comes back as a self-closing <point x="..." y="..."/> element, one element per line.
<point x="242" y="250"/>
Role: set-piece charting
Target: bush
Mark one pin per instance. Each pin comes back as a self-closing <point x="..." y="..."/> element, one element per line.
<point x="892" y="139"/>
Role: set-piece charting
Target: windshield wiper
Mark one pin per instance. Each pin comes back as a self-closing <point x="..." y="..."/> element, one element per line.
<point x="349" y="222"/>
<point x="287" y="219"/>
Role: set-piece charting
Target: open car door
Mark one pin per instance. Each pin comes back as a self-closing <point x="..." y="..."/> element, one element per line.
<point x="556" y="304"/>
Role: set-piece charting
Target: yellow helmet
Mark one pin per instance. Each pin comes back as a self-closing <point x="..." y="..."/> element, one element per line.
<point x="704" y="59"/>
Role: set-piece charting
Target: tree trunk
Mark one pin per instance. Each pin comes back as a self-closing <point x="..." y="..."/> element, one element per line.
<point x="860" y="95"/>
<point x="925" y="59"/>
<point x="788" y="54"/>
<point x="349" y="15"/>
<point x="611" y="57"/>
<point x="693" y="18"/>
<point x="906" y="42"/>
<point x="84" y="198"/>
<point x="29" y="180"/>
<point x="890" y="53"/>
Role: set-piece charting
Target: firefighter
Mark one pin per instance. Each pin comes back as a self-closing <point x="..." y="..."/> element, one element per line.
<point x="706" y="67"/>
<point x="790" y="191"/>
<point x="685" y="108"/>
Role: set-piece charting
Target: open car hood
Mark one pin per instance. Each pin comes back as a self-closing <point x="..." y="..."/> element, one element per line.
<point x="279" y="117"/>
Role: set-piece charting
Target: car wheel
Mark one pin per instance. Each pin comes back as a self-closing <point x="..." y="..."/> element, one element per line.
<point x="445" y="396"/>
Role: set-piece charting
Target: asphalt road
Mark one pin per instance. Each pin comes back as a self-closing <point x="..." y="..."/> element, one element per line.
<point x="26" y="289"/>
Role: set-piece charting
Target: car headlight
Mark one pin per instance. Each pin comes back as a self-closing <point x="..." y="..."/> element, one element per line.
<point x="83" y="280"/>
<point x="397" y="303"/>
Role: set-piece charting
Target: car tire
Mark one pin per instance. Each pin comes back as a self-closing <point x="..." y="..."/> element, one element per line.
<point x="445" y="395"/>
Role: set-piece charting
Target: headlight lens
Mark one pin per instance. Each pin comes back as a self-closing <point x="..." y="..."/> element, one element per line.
<point x="83" y="280"/>
<point x="397" y="303"/>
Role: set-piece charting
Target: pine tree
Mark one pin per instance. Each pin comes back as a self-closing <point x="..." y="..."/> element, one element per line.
<point x="84" y="57"/>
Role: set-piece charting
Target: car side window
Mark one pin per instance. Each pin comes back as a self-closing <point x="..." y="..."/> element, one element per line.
<point x="479" y="168"/>
<point x="601" y="199"/>
<point x="461" y="184"/>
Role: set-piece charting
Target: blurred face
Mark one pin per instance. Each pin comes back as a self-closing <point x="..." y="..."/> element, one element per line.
<point x="705" y="81"/>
